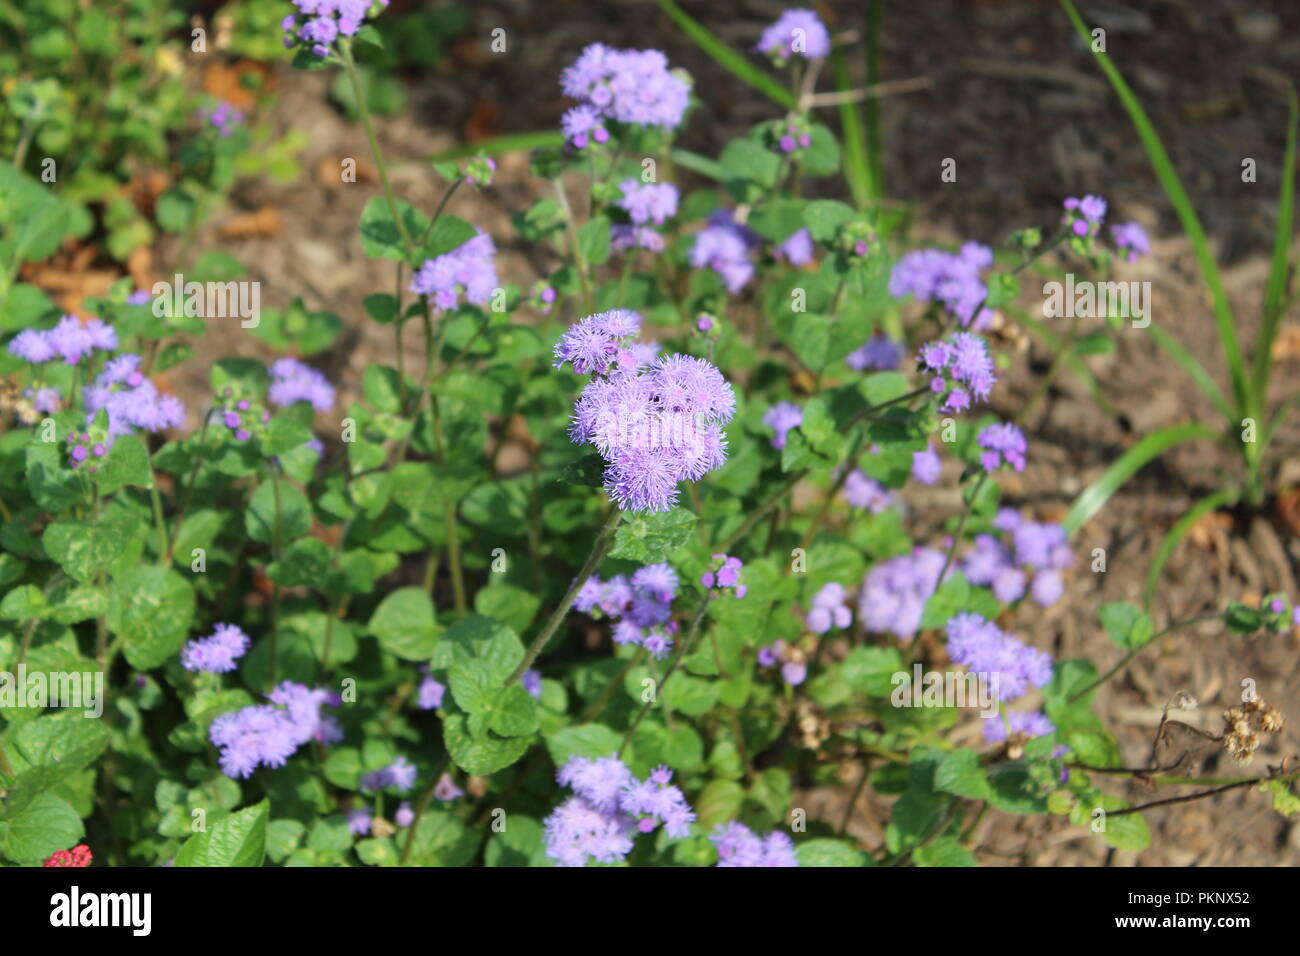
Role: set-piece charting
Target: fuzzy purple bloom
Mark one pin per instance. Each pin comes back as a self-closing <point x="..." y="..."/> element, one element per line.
<point x="796" y="32"/>
<point x="878" y="354"/>
<point x="216" y="653"/>
<point x="737" y="845"/>
<point x="292" y="381"/>
<point x="781" y="418"/>
<point x="1003" y="443"/>
<point x="467" y="271"/>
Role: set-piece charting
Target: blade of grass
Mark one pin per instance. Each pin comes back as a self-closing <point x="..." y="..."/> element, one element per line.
<point x="1212" y="502"/>
<point x="697" y="163"/>
<point x="502" y="144"/>
<point x="857" y="167"/>
<point x="1194" y="369"/>
<point x="1275" y="294"/>
<point x="1173" y="187"/>
<point x="1126" y="465"/>
<point x="875" y="143"/>
<point x="726" y="57"/>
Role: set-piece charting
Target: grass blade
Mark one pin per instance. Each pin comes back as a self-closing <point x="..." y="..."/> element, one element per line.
<point x="1126" y="465"/>
<point x="1173" y="187"/>
<point x="1176" y="534"/>
<point x="1275" y="294"/>
<point x="857" y="167"/>
<point x="1194" y="369"/>
<point x="501" y="144"/>
<point x="726" y="57"/>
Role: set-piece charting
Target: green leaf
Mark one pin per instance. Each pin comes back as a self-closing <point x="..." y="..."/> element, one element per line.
<point x="405" y="624"/>
<point x="955" y="595"/>
<point x="305" y="564"/>
<point x="653" y="538"/>
<point x="45" y="825"/>
<point x="593" y="241"/>
<point x="1127" y="832"/>
<point x="587" y="471"/>
<point x="1275" y="293"/>
<point x="827" y="852"/>
<point x="944" y="852"/>
<point x="823" y="217"/>
<point x="277" y="498"/>
<point x="150" y="608"/>
<point x="127" y="464"/>
<point x="480" y="754"/>
<point x="1149" y="447"/>
<point x="236" y="840"/>
<point x="380" y="236"/>
<point x="1125" y="624"/>
<point x="719" y="802"/>
<point x="960" y="773"/>
<point x="582" y="740"/>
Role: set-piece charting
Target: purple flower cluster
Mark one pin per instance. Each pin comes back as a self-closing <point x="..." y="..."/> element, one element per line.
<point x="951" y="279"/>
<point x="794" y="669"/>
<point x="982" y="647"/>
<point x="797" y="250"/>
<point x="292" y="381"/>
<point x="797" y="32"/>
<point x="69" y="340"/>
<point x="737" y="845"/>
<point x="467" y="270"/>
<point x="725" y="575"/>
<point x="724" y="246"/>
<point x="400" y="775"/>
<point x="641" y="607"/>
<point x="608" y="805"/>
<point x="531" y="680"/>
<point x="651" y="203"/>
<point x="894" y="592"/>
<point x="830" y="608"/>
<point x="861" y="491"/>
<point x="655" y="426"/>
<point x="926" y="465"/>
<point x="217" y="652"/>
<point x="1084" y="216"/>
<point x="635" y="87"/>
<point x="879" y="353"/>
<point x="430" y="692"/>
<point x="1002" y="443"/>
<point x="319" y="23"/>
<point x="1040" y="549"/>
<point x="1029" y="723"/>
<point x="130" y="399"/>
<point x="446" y="790"/>
<point x="269" y="734"/>
<point x="781" y="418"/>
<point x="223" y="117"/>
<point x="1131" y="239"/>
<point x="965" y="359"/>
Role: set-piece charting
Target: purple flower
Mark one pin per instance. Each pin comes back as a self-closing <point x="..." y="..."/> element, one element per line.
<point x="878" y="353"/>
<point x="657" y="580"/>
<point x="223" y="117"/>
<point x="894" y="592"/>
<point x="359" y="822"/>
<point x="1082" y="215"/>
<point x="829" y="609"/>
<point x="268" y="734"/>
<point x="1030" y="723"/>
<point x="32" y="345"/>
<point x="796" y="250"/>
<point x="1002" y="442"/>
<point x="583" y="125"/>
<point x="1131" y="239"/>
<point x="795" y="33"/>
<point x="655" y="427"/>
<point x="737" y="845"/>
<point x="628" y="86"/>
<point x="926" y="465"/>
<point x="861" y="491"/>
<point x="446" y="790"/>
<point x="648" y="202"/>
<point x="725" y="575"/>
<point x="46" y="400"/>
<point x="400" y="775"/>
<point x="217" y="652"/>
<point x="405" y="816"/>
<point x="532" y="682"/>
<point x="430" y="694"/>
<point x="467" y="271"/>
<point x="981" y="647"/>
<point x="724" y="246"/>
<point x="292" y="381"/>
<point x="950" y="279"/>
<point x="781" y="418"/>
<point x="317" y="24"/>
<point x="965" y="358"/>
<point x="608" y="806"/>
<point x="624" y="238"/>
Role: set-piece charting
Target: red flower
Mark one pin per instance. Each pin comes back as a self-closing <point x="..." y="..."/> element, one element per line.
<point x="79" y="855"/>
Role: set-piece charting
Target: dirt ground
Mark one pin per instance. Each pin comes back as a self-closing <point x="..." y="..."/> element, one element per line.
<point x="1029" y="120"/>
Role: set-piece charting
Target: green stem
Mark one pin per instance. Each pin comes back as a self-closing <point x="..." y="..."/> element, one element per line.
<point x="683" y="649"/>
<point x="1127" y="658"/>
<point x="604" y="538"/>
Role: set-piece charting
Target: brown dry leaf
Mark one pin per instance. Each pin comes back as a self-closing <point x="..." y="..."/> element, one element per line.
<point x="329" y="171"/>
<point x="68" y="279"/>
<point x="483" y="121"/>
<point x="1287" y="509"/>
<point x="228" y="82"/>
<point x="1287" y="344"/>
<point x="144" y="188"/>
<point x="1208" y="527"/>
<point x="262" y="222"/>
<point x="139" y="266"/>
